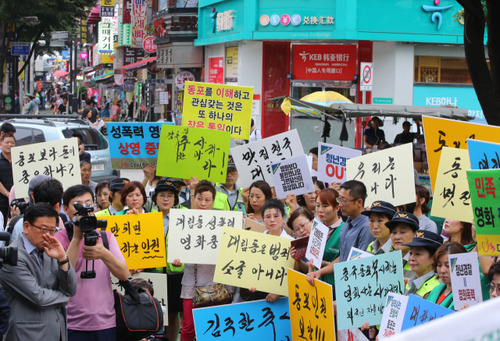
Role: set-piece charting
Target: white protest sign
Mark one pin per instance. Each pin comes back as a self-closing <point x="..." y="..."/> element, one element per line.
<point x="316" y="245"/>
<point x="254" y="160"/>
<point x="58" y="159"/>
<point x="465" y="280"/>
<point x="332" y="161"/>
<point x="194" y="235"/>
<point x="159" y="283"/>
<point x="292" y="176"/>
<point x="477" y="323"/>
<point x="394" y="313"/>
<point x="356" y="253"/>
<point x="387" y="174"/>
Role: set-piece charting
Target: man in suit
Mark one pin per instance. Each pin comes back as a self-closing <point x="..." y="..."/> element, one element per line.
<point x="39" y="286"/>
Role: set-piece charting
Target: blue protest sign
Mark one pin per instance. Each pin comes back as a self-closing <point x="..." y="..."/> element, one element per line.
<point x="420" y="311"/>
<point x="483" y="155"/>
<point x="362" y="286"/>
<point x="257" y="320"/>
<point x="134" y="145"/>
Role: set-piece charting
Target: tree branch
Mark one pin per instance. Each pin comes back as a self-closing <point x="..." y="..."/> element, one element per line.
<point x="35" y="41"/>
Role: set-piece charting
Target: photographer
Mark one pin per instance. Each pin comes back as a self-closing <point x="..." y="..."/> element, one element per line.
<point x="91" y="313"/>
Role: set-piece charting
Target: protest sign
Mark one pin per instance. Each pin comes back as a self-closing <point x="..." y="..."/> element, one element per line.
<point x="57" y="159"/>
<point x="484" y="155"/>
<point x="362" y="286"/>
<point x="254" y="160"/>
<point x="134" y="145"/>
<point x="465" y="279"/>
<point x="356" y="253"/>
<point x="251" y="259"/>
<point x="218" y="107"/>
<point x="354" y="334"/>
<point x="420" y="311"/>
<point x="251" y="321"/>
<point x="451" y="192"/>
<point x="477" y="323"/>
<point x="311" y="308"/>
<point x="187" y="152"/>
<point x="292" y="176"/>
<point x="194" y="235"/>
<point x="252" y="225"/>
<point x="332" y="161"/>
<point x="386" y="174"/>
<point x="441" y="133"/>
<point x="316" y="245"/>
<point x="159" y="283"/>
<point x="140" y="238"/>
<point x="484" y="186"/>
<point x="394" y="313"/>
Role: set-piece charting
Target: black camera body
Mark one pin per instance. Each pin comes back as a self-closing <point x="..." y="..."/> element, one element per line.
<point x="21" y="204"/>
<point x="8" y="255"/>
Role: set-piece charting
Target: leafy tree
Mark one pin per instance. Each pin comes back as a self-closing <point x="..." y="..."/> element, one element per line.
<point x="480" y="16"/>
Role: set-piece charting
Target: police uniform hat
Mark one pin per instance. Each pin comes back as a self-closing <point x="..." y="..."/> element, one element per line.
<point x="426" y="239"/>
<point x="165" y="185"/>
<point x="230" y="162"/>
<point x="118" y="184"/>
<point x="382" y="207"/>
<point x="403" y="218"/>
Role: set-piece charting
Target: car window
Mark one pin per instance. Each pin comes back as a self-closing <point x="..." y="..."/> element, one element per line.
<point x="91" y="138"/>
<point x="26" y="136"/>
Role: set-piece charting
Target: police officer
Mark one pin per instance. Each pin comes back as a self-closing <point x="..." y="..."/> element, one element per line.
<point x="228" y="196"/>
<point x="115" y="188"/>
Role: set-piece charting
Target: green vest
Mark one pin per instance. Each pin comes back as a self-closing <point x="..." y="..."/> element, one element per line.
<point x="426" y="288"/>
<point x="221" y="201"/>
<point x="434" y="295"/>
<point x="332" y="252"/>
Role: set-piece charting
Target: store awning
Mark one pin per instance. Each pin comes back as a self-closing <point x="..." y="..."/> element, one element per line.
<point x="134" y="66"/>
<point x="95" y="14"/>
<point x="103" y="78"/>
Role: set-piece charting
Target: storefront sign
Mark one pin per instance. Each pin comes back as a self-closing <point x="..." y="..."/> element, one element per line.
<point x="107" y="8"/>
<point x="182" y="77"/>
<point x="324" y="62"/>
<point x="225" y="21"/>
<point x="148" y="44"/>
<point x="106" y="38"/>
<point x="296" y="20"/>
<point x="139" y="11"/>
<point x="216" y="70"/>
<point x="232" y="64"/>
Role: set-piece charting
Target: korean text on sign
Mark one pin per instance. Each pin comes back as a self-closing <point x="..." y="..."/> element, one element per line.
<point x="292" y="176"/>
<point x="141" y="239"/>
<point x="332" y="162"/>
<point x="258" y="320"/>
<point x="317" y="243"/>
<point x="311" y="308"/>
<point x="394" y="313"/>
<point x="441" y="133"/>
<point x="484" y="155"/>
<point x="57" y="159"/>
<point x="484" y="186"/>
<point x="187" y="152"/>
<point x="465" y="279"/>
<point x="194" y="235"/>
<point x="251" y="259"/>
<point x="451" y="192"/>
<point x="254" y="160"/>
<point x="420" y="311"/>
<point x="362" y="286"/>
<point x="386" y="174"/>
<point x="134" y="145"/>
<point x="218" y="107"/>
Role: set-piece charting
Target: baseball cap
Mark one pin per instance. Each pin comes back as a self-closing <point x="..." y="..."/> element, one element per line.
<point x="380" y="206"/>
<point x="165" y="185"/>
<point x="403" y="218"/>
<point x="35" y="181"/>
<point x="426" y="239"/>
<point x="118" y="184"/>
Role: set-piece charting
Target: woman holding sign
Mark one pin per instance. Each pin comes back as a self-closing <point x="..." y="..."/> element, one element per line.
<point x="442" y="294"/>
<point x="133" y="198"/>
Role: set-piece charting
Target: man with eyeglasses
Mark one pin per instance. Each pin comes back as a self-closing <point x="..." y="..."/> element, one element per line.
<point x="39" y="286"/>
<point x="356" y="232"/>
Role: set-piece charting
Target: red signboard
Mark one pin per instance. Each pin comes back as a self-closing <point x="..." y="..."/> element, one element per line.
<point x="216" y="70"/>
<point x="148" y="44"/>
<point x="324" y="62"/>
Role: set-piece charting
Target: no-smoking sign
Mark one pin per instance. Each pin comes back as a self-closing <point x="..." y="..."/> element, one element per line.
<point x="366" y="71"/>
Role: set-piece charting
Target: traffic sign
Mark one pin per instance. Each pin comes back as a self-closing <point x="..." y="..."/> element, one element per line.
<point x="366" y="76"/>
<point x="20" y="49"/>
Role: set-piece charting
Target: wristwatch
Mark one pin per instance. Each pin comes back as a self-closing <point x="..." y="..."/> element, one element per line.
<point x="64" y="261"/>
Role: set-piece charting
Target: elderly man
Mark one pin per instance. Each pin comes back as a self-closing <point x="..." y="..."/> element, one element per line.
<point x="39" y="285"/>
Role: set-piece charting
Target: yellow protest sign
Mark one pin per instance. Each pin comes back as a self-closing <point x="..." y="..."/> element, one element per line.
<point x="451" y="192"/>
<point x="311" y="308"/>
<point x="441" y="133"/>
<point x="251" y="259"/>
<point x="140" y="238"/>
<point x="218" y="107"/>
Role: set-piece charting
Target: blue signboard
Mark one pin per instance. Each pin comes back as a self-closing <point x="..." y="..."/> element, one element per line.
<point x="258" y="320"/>
<point x="420" y="311"/>
<point x="20" y="49"/>
<point x="483" y="155"/>
<point x="463" y="97"/>
<point x="134" y="145"/>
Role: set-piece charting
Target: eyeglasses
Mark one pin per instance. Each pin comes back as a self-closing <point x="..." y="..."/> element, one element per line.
<point x="494" y="288"/>
<point x="301" y="226"/>
<point x="343" y="200"/>
<point x="44" y="230"/>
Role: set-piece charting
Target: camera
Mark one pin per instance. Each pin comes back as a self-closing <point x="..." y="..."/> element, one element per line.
<point x="8" y="255"/>
<point x="21" y="204"/>
<point x="88" y="225"/>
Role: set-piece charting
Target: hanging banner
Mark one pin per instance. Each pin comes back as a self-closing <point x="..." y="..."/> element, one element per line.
<point x="106" y="45"/>
<point x="254" y="160"/>
<point x="138" y="14"/>
<point x="386" y="174"/>
<point x="332" y="162"/>
<point x="292" y="176"/>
